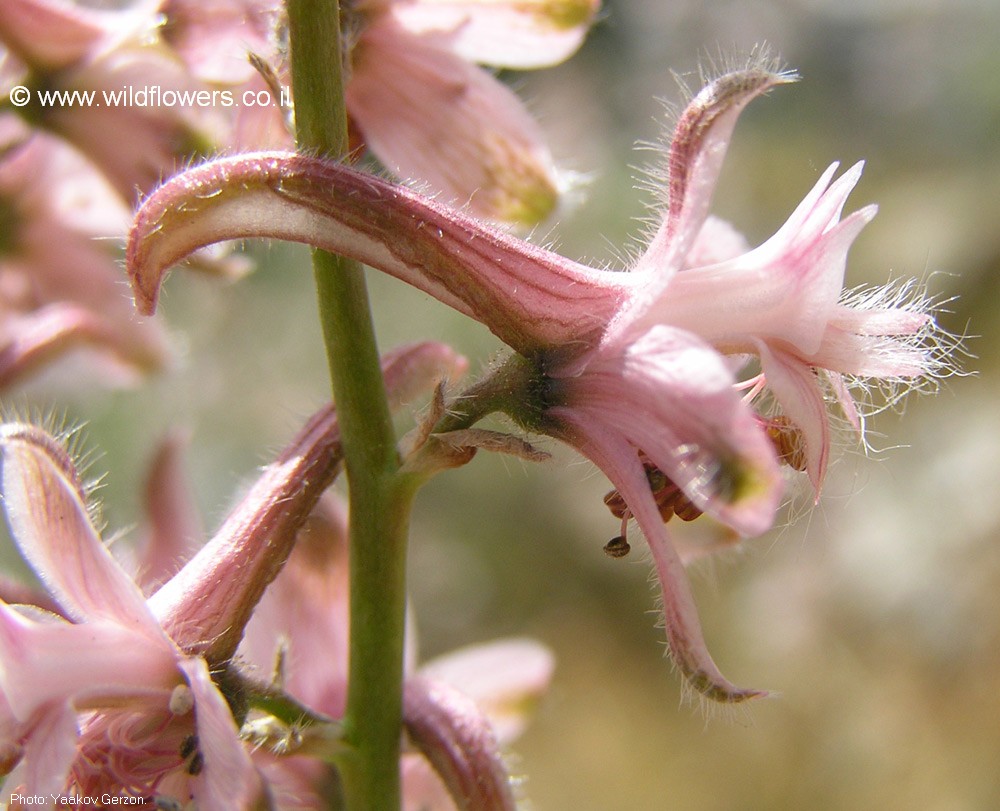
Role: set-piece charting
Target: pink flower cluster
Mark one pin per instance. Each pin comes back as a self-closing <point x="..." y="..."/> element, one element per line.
<point x="699" y="379"/>
<point x="157" y="687"/>
<point x="702" y="371"/>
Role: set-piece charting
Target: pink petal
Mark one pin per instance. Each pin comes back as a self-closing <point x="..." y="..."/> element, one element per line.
<point x="797" y="389"/>
<point x="431" y="116"/>
<point x="504" y="33"/>
<point x="696" y="152"/>
<point x="214" y="36"/>
<point x="670" y="395"/>
<point x="54" y="330"/>
<point x="681" y="624"/>
<point x="717" y="241"/>
<point x="504" y="678"/>
<point x="52" y="529"/>
<point x="228" y="779"/>
<point x="456" y="738"/>
<point x="422" y="786"/>
<point x="47" y="34"/>
<point x="45" y="662"/>
<point x="48" y="754"/>
<point x="787" y="289"/>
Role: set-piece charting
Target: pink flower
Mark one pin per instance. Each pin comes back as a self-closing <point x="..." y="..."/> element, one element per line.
<point x="784" y="303"/>
<point x="60" y="286"/>
<point x="134" y="695"/>
<point x="629" y="368"/>
<point x="306" y="610"/>
<point x="103" y="702"/>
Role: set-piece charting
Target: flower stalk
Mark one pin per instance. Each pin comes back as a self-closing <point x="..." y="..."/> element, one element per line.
<point x="379" y="505"/>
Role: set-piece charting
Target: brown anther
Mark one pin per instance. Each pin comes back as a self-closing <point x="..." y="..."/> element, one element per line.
<point x="617" y="547"/>
<point x="616" y="504"/>
<point x="788" y="442"/>
<point x="670" y="499"/>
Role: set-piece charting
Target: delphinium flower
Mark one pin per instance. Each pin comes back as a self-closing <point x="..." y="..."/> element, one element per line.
<point x="305" y="610"/>
<point x="612" y="362"/>
<point x="60" y="284"/>
<point x="123" y="694"/>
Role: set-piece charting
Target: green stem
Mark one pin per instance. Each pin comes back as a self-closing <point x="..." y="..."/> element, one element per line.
<point x="379" y="499"/>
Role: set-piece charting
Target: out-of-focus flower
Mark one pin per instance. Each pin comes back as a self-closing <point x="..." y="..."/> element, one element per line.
<point x="429" y="114"/>
<point x="100" y="79"/>
<point x="613" y="363"/>
<point x="123" y="694"/>
<point x="60" y="286"/>
<point x="306" y="610"/>
<point x="107" y="701"/>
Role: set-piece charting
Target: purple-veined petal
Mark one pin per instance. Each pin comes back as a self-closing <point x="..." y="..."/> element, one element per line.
<point x="52" y="529"/>
<point x="505" y="678"/>
<point x="529" y="297"/>
<point x="456" y="738"/>
<point x="694" y="160"/>
<point x="431" y="116"/>
<point x="504" y="33"/>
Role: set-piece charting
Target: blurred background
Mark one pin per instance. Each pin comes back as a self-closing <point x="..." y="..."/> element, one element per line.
<point x="875" y="615"/>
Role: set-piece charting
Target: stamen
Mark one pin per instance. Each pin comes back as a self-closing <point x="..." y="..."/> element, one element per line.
<point x="181" y="700"/>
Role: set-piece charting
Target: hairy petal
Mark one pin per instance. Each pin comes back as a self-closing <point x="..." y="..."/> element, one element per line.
<point x="797" y="388"/>
<point x="50" y="661"/>
<point x="680" y="616"/>
<point x="54" y="533"/>
<point x="456" y="738"/>
<point x="529" y="297"/>
<point x="694" y="160"/>
<point x="670" y="395"/>
<point x="785" y="290"/>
